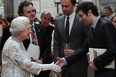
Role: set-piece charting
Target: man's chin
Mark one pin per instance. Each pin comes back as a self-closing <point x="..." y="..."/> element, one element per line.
<point x="65" y="13"/>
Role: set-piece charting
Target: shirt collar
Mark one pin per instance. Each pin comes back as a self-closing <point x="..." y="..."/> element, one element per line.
<point x="71" y="16"/>
<point x="33" y="23"/>
<point x="95" y="22"/>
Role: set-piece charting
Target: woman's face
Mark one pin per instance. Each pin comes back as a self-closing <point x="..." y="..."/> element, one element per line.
<point x="45" y="20"/>
<point x="4" y="24"/>
<point x="114" y="21"/>
<point x="25" y="33"/>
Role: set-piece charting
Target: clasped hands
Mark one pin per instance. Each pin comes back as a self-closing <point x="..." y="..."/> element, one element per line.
<point x="61" y="61"/>
<point x="53" y="66"/>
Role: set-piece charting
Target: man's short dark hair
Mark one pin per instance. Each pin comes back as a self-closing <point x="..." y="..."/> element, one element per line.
<point x="86" y="6"/>
<point x="22" y="5"/>
<point x="73" y="2"/>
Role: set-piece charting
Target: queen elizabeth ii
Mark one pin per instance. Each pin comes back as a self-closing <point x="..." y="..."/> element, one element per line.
<point x="16" y="62"/>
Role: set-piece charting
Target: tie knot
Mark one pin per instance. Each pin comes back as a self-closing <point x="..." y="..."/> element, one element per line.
<point x="67" y="18"/>
<point x="32" y="25"/>
<point x="32" y="29"/>
<point x="92" y="29"/>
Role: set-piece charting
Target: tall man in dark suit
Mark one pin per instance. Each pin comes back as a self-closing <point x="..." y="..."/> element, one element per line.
<point x="73" y="39"/>
<point x="103" y="36"/>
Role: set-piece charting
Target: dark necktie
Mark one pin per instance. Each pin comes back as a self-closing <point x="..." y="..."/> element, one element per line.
<point x="67" y="27"/>
<point x="92" y="36"/>
<point x="92" y="29"/>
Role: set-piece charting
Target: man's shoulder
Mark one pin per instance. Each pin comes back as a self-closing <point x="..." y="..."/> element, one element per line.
<point x="39" y="26"/>
<point x="106" y="24"/>
<point x="104" y="21"/>
<point x="59" y="17"/>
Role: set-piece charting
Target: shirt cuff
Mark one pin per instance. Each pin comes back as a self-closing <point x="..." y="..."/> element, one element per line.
<point x="65" y="62"/>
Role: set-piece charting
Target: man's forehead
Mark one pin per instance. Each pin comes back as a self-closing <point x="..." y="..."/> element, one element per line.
<point x="80" y="12"/>
<point x="28" y="7"/>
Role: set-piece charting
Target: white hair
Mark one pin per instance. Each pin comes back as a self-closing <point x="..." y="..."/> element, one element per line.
<point x="18" y="24"/>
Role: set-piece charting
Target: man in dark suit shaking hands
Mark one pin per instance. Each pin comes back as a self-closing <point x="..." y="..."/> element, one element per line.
<point x="103" y="36"/>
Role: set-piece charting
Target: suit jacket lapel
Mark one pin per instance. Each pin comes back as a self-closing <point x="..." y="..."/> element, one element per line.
<point x="73" y="27"/>
<point x="63" y="28"/>
<point x="97" y="28"/>
<point x="94" y="34"/>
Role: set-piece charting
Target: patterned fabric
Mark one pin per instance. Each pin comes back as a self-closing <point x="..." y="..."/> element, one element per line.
<point x="16" y="62"/>
<point x="34" y="36"/>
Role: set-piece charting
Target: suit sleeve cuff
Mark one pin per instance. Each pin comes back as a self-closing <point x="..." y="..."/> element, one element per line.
<point x="65" y="62"/>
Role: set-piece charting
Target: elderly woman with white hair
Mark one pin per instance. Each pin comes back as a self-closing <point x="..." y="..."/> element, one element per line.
<point x="16" y="62"/>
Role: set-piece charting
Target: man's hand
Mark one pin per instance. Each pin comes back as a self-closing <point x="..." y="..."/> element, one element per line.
<point x="92" y="65"/>
<point x="58" y="74"/>
<point x="60" y="62"/>
<point x="68" y="51"/>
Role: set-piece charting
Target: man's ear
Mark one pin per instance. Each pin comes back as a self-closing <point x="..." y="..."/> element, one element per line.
<point x="89" y="12"/>
<point x="21" y="14"/>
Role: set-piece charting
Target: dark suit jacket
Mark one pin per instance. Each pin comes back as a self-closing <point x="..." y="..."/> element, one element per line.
<point x="104" y="37"/>
<point x="49" y="31"/>
<point x="76" y="39"/>
<point x="43" y="43"/>
<point x="6" y="34"/>
<point x="47" y="54"/>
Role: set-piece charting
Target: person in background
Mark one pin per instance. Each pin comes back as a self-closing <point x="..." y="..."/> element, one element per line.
<point x="69" y="35"/>
<point x="52" y="21"/>
<point x="4" y="22"/>
<point x="9" y="19"/>
<point x="1" y="30"/>
<point x="113" y="19"/>
<point x="107" y="11"/>
<point x="5" y="34"/>
<point x="102" y="35"/>
<point x="45" y="22"/>
<point x="16" y="62"/>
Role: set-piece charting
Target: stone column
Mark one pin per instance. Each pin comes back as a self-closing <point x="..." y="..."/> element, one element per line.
<point x="8" y="8"/>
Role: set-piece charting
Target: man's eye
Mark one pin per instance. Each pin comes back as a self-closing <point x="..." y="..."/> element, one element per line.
<point x="31" y="11"/>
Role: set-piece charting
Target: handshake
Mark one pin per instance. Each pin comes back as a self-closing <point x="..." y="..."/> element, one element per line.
<point x="57" y="66"/>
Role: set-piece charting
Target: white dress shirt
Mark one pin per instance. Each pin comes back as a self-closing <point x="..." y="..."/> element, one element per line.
<point x="71" y="20"/>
